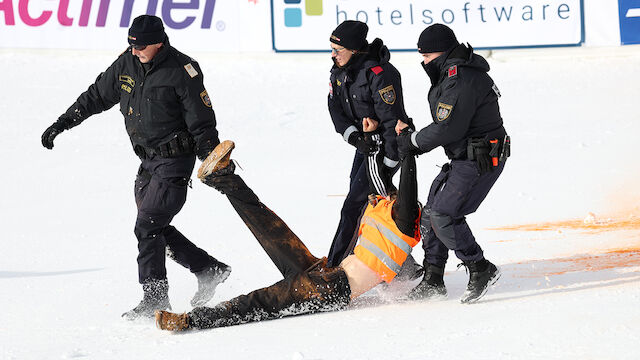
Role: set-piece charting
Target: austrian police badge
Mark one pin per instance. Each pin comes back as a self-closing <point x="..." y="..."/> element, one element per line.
<point x="388" y="95"/>
<point x="205" y="98"/>
<point x="443" y="111"/>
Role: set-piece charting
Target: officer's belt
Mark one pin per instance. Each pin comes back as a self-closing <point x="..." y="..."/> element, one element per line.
<point x="181" y="144"/>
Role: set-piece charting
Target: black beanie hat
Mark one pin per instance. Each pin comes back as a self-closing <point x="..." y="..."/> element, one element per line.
<point x="351" y="34"/>
<point x="146" y="30"/>
<point x="436" y="38"/>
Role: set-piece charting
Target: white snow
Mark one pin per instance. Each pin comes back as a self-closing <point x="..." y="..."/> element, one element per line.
<point x="68" y="257"/>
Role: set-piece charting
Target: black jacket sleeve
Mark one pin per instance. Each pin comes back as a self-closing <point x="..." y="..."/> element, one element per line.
<point x="101" y="96"/>
<point x="386" y="92"/>
<point x="198" y="113"/>
<point x="342" y="123"/>
<point x="451" y="113"/>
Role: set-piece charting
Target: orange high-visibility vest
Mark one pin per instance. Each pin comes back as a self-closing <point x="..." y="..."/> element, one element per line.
<point x="381" y="245"/>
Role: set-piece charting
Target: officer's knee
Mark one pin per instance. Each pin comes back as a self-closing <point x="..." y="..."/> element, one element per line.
<point x="442" y="225"/>
<point x="146" y="228"/>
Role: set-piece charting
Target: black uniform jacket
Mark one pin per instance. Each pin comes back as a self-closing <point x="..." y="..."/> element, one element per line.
<point x="369" y="86"/>
<point x="157" y="104"/>
<point x="463" y="103"/>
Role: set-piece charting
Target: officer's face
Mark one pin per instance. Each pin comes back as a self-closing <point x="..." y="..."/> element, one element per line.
<point x="340" y="54"/>
<point x="429" y="57"/>
<point x="145" y="55"/>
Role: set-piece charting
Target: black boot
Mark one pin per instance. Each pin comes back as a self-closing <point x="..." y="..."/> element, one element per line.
<point x="410" y="270"/>
<point x="482" y="274"/>
<point x="156" y="297"/>
<point x="208" y="280"/>
<point x="432" y="285"/>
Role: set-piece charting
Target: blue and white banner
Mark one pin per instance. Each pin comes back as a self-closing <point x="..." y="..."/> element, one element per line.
<point x="629" y="21"/>
<point x="305" y="25"/>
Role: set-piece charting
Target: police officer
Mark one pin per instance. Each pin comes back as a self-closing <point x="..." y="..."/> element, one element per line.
<point x="364" y="86"/>
<point x="463" y="102"/>
<point x="170" y="120"/>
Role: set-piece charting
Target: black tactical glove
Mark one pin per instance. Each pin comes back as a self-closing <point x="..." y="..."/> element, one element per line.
<point x="405" y="145"/>
<point x="221" y="179"/>
<point x="358" y="140"/>
<point x="373" y="139"/>
<point x="53" y="131"/>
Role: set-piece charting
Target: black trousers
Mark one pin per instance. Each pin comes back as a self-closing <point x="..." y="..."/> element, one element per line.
<point x="456" y="192"/>
<point x="160" y="192"/>
<point x="364" y="176"/>
<point x="309" y="285"/>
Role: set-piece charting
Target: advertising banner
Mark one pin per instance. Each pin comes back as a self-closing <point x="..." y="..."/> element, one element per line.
<point x="629" y="21"/>
<point x="103" y="24"/>
<point x="305" y="25"/>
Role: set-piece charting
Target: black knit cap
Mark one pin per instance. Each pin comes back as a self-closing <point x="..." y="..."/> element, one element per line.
<point x="436" y="38"/>
<point x="351" y="34"/>
<point x="146" y="30"/>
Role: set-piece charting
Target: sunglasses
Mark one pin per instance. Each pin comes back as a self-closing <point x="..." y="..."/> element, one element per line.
<point x="337" y="50"/>
<point x="139" y="47"/>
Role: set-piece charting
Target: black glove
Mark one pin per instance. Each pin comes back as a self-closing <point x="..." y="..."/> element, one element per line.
<point x="221" y="179"/>
<point x="405" y="145"/>
<point x="358" y="140"/>
<point x="53" y="131"/>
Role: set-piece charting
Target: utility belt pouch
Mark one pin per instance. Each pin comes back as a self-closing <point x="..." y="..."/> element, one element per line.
<point x="181" y="144"/>
<point x="477" y="147"/>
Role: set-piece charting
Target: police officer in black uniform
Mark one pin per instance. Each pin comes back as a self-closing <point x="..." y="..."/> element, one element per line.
<point x="463" y="102"/>
<point x="364" y="87"/>
<point x="170" y="121"/>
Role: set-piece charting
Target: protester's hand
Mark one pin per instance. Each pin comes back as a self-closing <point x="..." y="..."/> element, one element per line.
<point x="405" y="145"/>
<point x="50" y="134"/>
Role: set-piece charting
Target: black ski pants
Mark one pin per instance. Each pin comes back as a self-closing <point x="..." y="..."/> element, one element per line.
<point x="457" y="191"/>
<point x="160" y="192"/>
<point x="309" y="285"/>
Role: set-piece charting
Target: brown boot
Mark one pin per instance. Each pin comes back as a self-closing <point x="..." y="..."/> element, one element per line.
<point x="218" y="159"/>
<point x="172" y="322"/>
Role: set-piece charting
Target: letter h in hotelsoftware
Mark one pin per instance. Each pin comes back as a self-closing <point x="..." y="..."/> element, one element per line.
<point x="629" y="21"/>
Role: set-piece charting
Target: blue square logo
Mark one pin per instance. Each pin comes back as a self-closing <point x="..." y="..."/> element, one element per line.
<point x="292" y="17"/>
<point x="629" y="21"/>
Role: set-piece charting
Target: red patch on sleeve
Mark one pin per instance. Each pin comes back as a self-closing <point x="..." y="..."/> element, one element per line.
<point x="377" y="69"/>
<point x="453" y="71"/>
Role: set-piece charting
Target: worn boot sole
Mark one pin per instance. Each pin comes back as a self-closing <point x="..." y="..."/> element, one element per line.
<point x="195" y="302"/>
<point x="492" y="281"/>
<point x="170" y="321"/>
<point x="218" y="159"/>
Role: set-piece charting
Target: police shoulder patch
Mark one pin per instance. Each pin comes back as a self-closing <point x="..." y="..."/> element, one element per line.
<point x="443" y="111"/>
<point x="388" y="95"/>
<point x="205" y="98"/>
<point x="191" y="70"/>
<point x="377" y="69"/>
<point x="453" y="71"/>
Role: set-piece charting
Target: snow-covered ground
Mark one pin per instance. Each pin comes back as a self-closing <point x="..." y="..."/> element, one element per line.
<point x="569" y="290"/>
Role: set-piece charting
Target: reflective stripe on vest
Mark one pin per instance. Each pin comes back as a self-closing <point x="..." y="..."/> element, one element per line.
<point x="389" y="235"/>
<point x="375" y="250"/>
<point x="381" y="245"/>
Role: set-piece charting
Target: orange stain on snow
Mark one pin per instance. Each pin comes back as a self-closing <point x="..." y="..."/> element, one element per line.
<point x="592" y="226"/>
<point x="619" y="258"/>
